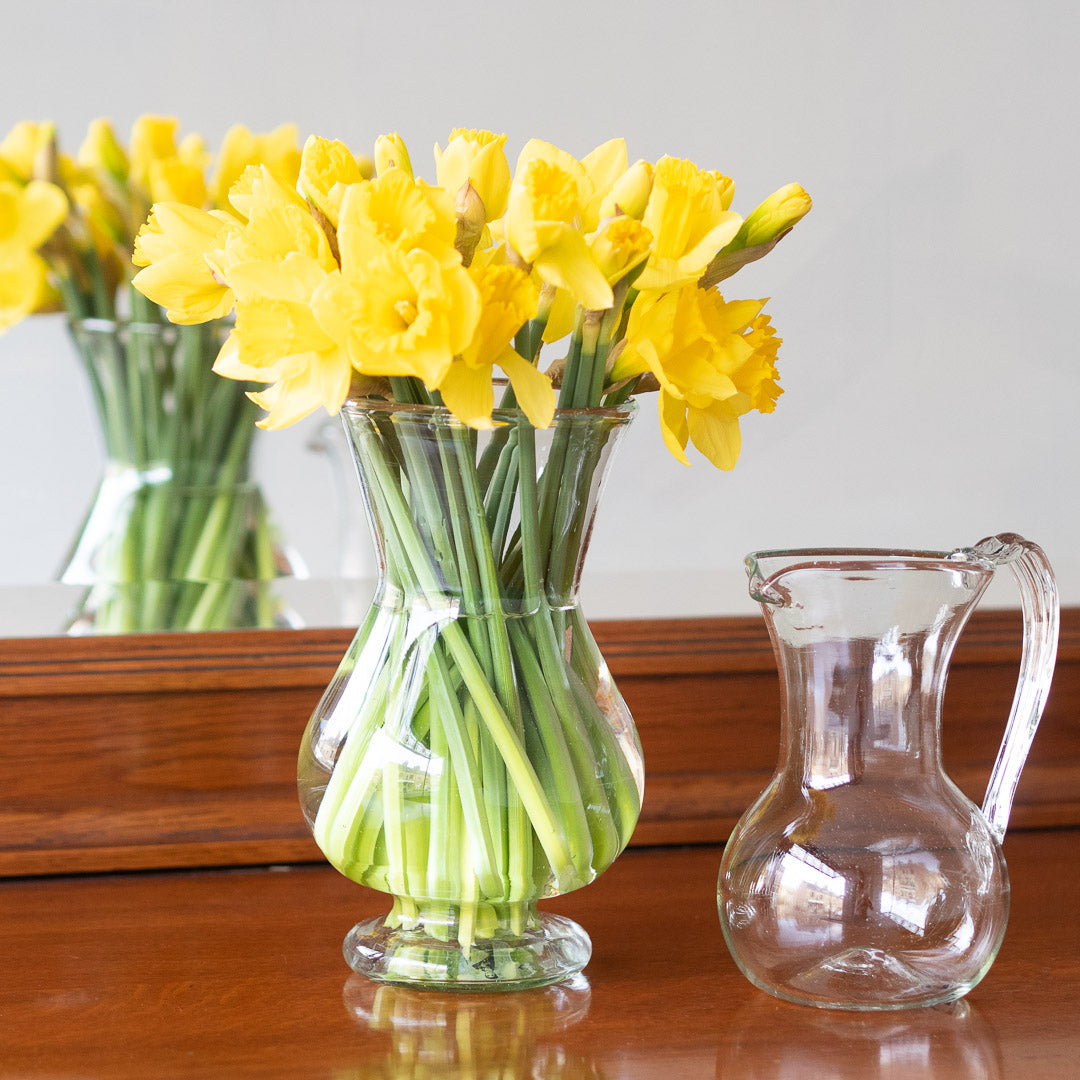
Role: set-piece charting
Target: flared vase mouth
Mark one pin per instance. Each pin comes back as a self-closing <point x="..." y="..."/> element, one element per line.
<point x="765" y="569"/>
<point x="359" y="406"/>
<point x="93" y="328"/>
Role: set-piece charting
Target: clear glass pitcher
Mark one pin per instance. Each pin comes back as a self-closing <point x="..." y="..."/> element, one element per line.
<point x="862" y="878"/>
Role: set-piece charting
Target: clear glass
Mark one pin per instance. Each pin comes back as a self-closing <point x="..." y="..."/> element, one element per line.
<point x="473" y="755"/>
<point x="862" y="878"/>
<point x="177" y="536"/>
<point x="422" y="1035"/>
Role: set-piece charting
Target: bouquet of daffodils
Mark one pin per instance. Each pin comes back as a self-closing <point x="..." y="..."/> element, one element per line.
<point x="176" y="528"/>
<point x="472" y="754"/>
<point x="394" y="287"/>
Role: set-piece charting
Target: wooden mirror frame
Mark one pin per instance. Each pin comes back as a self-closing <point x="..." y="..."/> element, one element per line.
<point x="179" y="750"/>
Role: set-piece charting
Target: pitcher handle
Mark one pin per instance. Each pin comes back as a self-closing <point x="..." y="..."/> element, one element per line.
<point x="1039" y="604"/>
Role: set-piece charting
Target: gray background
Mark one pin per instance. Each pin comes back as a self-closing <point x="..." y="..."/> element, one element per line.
<point x="928" y="303"/>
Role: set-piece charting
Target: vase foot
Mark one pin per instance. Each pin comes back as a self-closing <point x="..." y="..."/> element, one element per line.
<point x="427" y="954"/>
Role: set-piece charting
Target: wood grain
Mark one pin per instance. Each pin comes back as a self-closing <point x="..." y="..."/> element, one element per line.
<point x="238" y="974"/>
<point x="179" y="750"/>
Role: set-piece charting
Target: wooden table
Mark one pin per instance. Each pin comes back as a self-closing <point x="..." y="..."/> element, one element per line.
<point x="232" y="973"/>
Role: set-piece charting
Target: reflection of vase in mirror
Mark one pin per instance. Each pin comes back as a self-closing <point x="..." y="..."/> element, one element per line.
<point x="432" y="1035"/>
<point x="772" y="1040"/>
<point x="178" y="537"/>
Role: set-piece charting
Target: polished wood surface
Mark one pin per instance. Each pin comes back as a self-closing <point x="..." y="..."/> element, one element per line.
<point x="235" y="973"/>
<point x="179" y="750"/>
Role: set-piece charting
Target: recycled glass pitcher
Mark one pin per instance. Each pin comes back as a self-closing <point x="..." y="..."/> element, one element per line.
<point x="862" y="878"/>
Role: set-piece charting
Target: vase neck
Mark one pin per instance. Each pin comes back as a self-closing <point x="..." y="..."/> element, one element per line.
<point x="483" y="519"/>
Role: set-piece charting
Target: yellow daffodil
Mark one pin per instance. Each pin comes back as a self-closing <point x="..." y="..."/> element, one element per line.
<point x="759" y="373"/>
<point x="629" y="194"/>
<point x="544" y="216"/>
<point x="189" y="254"/>
<point x="23" y="286"/>
<point x="278" y="339"/>
<point x="476" y="158"/>
<point x="278" y="151"/>
<point x="390" y="153"/>
<point x="327" y="168"/>
<point x="620" y="245"/>
<point x="508" y="299"/>
<point x="763" y="229"/>
<point x="173" y="247"/>
<point x="396" y="210"/>
<point x="562" y="314"/>
<point x="688" y="217"/>
<point x="164" y="171"/>
<point x="107" y="224"/>
<point x="701" y="349"/>
<point x="29" y="215"/>
<point x="400" y="312"/>
<point x="102" y="154"/>
<point x="781" y="211"/>
<point x="274" y="320"/>
<point x="272" y="232"/>
<point x="23" y="147"/>
<point x="603" y="166"/>
<point x="153" y="138"/>
<point x="257" y="186"/>
<point x="279" y="223"/>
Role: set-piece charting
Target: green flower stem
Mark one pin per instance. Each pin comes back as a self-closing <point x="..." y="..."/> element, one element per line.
<point x="443" y="878"/>
<point x="517" y="835"/>
<point x="467" y="777"/>
<point x="464" y="660"/>
<point x="176" y="559"/>
<point x="480" y="770"/>
<point x="619" y="782"/>
<point x="560" y="781"/>
<point x="552" y="674"/>
<point x="501" y="491"/>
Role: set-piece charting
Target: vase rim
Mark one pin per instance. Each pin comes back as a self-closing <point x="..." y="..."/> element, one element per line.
<point x="96" y="324"/>
<point x="621" y="413"/>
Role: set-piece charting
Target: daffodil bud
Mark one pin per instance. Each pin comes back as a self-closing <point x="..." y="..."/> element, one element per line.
<point x="327" y="169"/>
<point x="390" y="153"/>
<point x="470" y="221"/>
<point x="620" y="245"/>
<point x="630" y="193"/>
<point x="22" y="147"/>
<point x="479" y="158"/>
<point x="101" y="151"/>
<point x="153" y="139"/>
<point x="778" y="213"/>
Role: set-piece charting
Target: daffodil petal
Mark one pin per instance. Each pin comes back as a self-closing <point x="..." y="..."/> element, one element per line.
<point x="566" y="262"/>
<point x="22" y="284"/>
<point x="716" y="435"/>
<point x="185" y="287"/>
<point x="532" y="388"/>
<point x="673" y="426"/>
<point x="468" y="393"/>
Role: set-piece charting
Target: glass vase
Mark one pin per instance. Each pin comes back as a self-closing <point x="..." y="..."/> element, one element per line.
<point x="177" y="536"/>
<point x="472" y="755"/>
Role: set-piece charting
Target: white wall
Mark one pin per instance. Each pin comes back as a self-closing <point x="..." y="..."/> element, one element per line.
<point x="927" y="304"/>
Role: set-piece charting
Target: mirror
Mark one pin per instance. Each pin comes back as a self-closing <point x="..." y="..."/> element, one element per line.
<point x="925" y="305"/>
